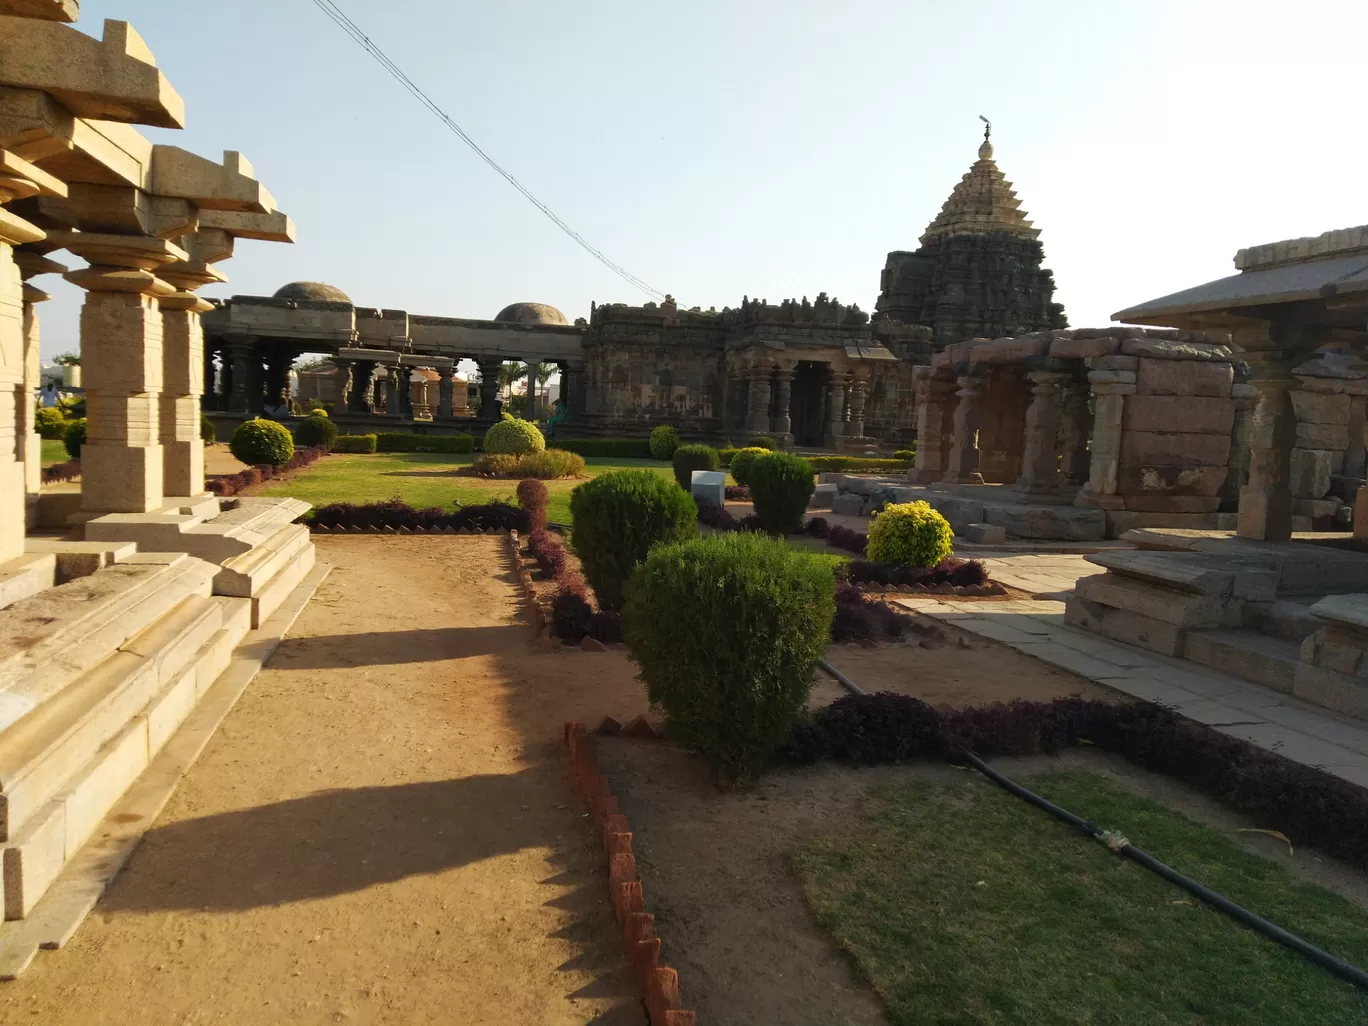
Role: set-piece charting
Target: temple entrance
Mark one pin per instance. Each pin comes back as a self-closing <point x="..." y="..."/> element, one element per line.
<point x="807" y="401"/>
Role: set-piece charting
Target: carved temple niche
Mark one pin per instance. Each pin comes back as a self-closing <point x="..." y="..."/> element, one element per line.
<point x="1006" y="397"/>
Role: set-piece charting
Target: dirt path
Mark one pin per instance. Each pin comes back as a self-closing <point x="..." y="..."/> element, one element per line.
<point x="381" y="832"/>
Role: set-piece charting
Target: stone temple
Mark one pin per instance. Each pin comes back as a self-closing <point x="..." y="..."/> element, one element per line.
<point x="813" y="373"/>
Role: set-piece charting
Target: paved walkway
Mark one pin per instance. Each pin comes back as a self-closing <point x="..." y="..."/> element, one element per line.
<point x="1267" y="718"/>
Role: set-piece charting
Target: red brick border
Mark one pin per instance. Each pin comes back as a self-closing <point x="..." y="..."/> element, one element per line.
<point x="659" y="982"/>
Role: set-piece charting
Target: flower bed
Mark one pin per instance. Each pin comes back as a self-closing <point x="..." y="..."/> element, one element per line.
<point x="1315" y="807"/>
<point x="68" y="471"/>
<point x="226" y="485"/>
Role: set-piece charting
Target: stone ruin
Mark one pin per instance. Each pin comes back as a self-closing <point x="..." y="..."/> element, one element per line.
<point x="116" y="631"/>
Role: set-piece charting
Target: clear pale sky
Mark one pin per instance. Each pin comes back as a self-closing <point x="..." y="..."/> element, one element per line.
<point x="766" y="147"/>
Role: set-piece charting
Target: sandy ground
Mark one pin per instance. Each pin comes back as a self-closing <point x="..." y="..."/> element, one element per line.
<point x="219" y="460"/>
<point x="716" y="873"/>
<point x="381" y="832"/>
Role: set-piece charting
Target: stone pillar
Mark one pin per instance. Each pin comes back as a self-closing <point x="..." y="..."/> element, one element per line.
<point x="935" y="399"/>
<point x="1074" y="432"/>
<point x="859" y="392"/>
<point x="278" y="379"/>
<point x="29" y="446"/>
<point x="1040" y="461"/>
<point x="346" y="383"/>
<point x="182" y="386"/>
<point x="489" y="389"/>
<point x="532" y="405"/>
<point x="835" y="427"/>
<point x="758" y="411"/>
<point x="244" y="375"/>
<point x="122" y="364"/>
<point x="1109" y="389"/>
<point x="1266" y="501"/>
<point x="574" y="390"/>
<point x="782" y="426"/>
<point x="394" y="390"/>
<point x="1244" y="398"/>
<point x="361" y="397"/>
<point x="962" y="467"/>
<point x="446" y="393"/>
<point x="1355" y="456"/>
<point x="209" y="397"/>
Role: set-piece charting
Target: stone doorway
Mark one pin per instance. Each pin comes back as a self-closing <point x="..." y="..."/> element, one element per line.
<point x="807" y="402"/>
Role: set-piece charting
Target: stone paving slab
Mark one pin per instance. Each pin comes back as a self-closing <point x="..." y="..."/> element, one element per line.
<point x="1274" y="721"/>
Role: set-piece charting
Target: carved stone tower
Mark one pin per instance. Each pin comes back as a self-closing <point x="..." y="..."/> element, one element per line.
<point x="978" y="271"/>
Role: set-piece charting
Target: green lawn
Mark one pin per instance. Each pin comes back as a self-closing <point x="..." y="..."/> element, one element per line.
<point x="54" y="451"/>
<point x="963" y="905"/>
<point x="427" y="479"/>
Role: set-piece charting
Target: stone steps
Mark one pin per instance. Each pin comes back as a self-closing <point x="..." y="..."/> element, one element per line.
<point x="245" y="575"/>
<point x="40" y="752"/>
<point x="210" y="533"/>
<point x="1290" y="621"/>
<point x="183" y="657"/>
<point x="1251" y="656"/>
<point x="52" y="638"/>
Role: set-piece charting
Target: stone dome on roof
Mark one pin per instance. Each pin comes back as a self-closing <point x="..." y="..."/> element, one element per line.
<point x="983" y="202"/>
<point x="317" y="291"/>
<point x="531" y="313"/>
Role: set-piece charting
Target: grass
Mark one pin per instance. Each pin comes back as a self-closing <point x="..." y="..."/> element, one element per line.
<point x="54" y="451"/>
<point x="428" y="479"/>
<point x="963" y="905"/>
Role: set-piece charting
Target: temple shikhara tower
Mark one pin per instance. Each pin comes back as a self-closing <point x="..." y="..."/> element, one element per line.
<point x="977" y="273"/>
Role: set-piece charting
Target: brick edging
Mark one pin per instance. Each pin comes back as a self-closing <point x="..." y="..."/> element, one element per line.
<point x="541" y="616"/>
<point x="658" y="982"/>
<point x="991" y="588"/>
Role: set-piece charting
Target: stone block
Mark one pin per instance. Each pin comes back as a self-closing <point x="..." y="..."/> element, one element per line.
<point x="1161" y="349"/>
<point x="1111" y="377"/>
<point x="1121" y="521"/>
<point x="822" y="496"/>
<point x="1174" y="449"/>
<point x="1184" y="378"/>
<point x="1194" y="414"/>
<point x="1252" y="577"/>
<point x="1124" y="626"/>
<point x="848" y="504"/>
<point x="1158" y="503"/>
<point x="1342" y="692"/>
<point x="709" y="485"/>
<point x="1132" y="480"/>
<point x="960" y="512"/>
<point x="278" y="590"/>
<point x="1317" y="509"/>
<point x="32" y="860"/>
<point x="1322" y="436"/>
<point x="984" y="534"/>
<point x="1310" y="471"/>
<point x="1065" y="523"/>
<point x="114" y="767"/>
<point x="1347" y="611"/>
<point x="1121" y="363"/>
<point x="1319" y="408"/>
<point x="169" y="709"/>
<point x="1100" y="347"/>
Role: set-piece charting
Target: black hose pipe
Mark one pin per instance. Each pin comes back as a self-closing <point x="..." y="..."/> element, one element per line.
<point x="1125" y="849"/>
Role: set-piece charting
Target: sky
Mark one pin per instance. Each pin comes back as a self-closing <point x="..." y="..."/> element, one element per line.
<point x="769" y="148"/>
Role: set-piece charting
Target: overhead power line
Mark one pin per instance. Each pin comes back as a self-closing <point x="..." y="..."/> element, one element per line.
<point x="348" y="26"/>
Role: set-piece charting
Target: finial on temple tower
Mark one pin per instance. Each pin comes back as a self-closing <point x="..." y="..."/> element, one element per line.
<point x="986" y="149"/>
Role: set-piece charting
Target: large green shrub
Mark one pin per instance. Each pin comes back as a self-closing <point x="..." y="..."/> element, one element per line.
<point x="262" y="441"/>
<point x="780" y="485"/>
<point x="495" y="464"/>
<point x="726" y="630"/>
<point x="518" y="437"/>
<point x="909" y="532"/>
<point x="664" y="442"/>
<point x="550" y="464"/>
<point x="858" y="464"/>
<point x="207" y="433"/>
<point x="741" y="462"/>
<point x="688" y="458"/>
<point x="74" y="437"/>
<point x="617" y="517"/>
<point x="316" y="430"/>
<point x="354" y="443"/>
<point x="763" y="442"/>
<point x="50" y="421"/>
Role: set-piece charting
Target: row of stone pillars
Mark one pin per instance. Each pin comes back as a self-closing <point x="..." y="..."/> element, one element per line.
<point x="770" y="395"/>
<point x="1054" y="449"/>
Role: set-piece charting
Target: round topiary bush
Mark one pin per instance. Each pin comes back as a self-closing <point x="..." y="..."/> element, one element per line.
<point x="911" y="533"/>
<point x="664" y="442"/>
<point x="780" y="485"/>
<point x="517" y="437"/>
<point x="764" y="442"/>
<point x="262" y="441"/>
<point x="688" y="458"/>
<point x="617" y="517"/>
<point x="726" y="630"/>
<point x="74" y="437"/>
<point x="207" y="433"/>
<point x="316" y="430"/>
<point x="50" y="422"/>
<point x="741" y="462"/>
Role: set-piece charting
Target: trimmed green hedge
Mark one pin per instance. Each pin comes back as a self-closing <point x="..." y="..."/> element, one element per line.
<point x="354" y="443"/>
<point x="627" y="448"/>
<point x="688" y="458"/>
<point x="855" y="464"/>
<point x="257" y="442"/>
<point x="403" y="441"/>
<point x="780" y="485"/>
